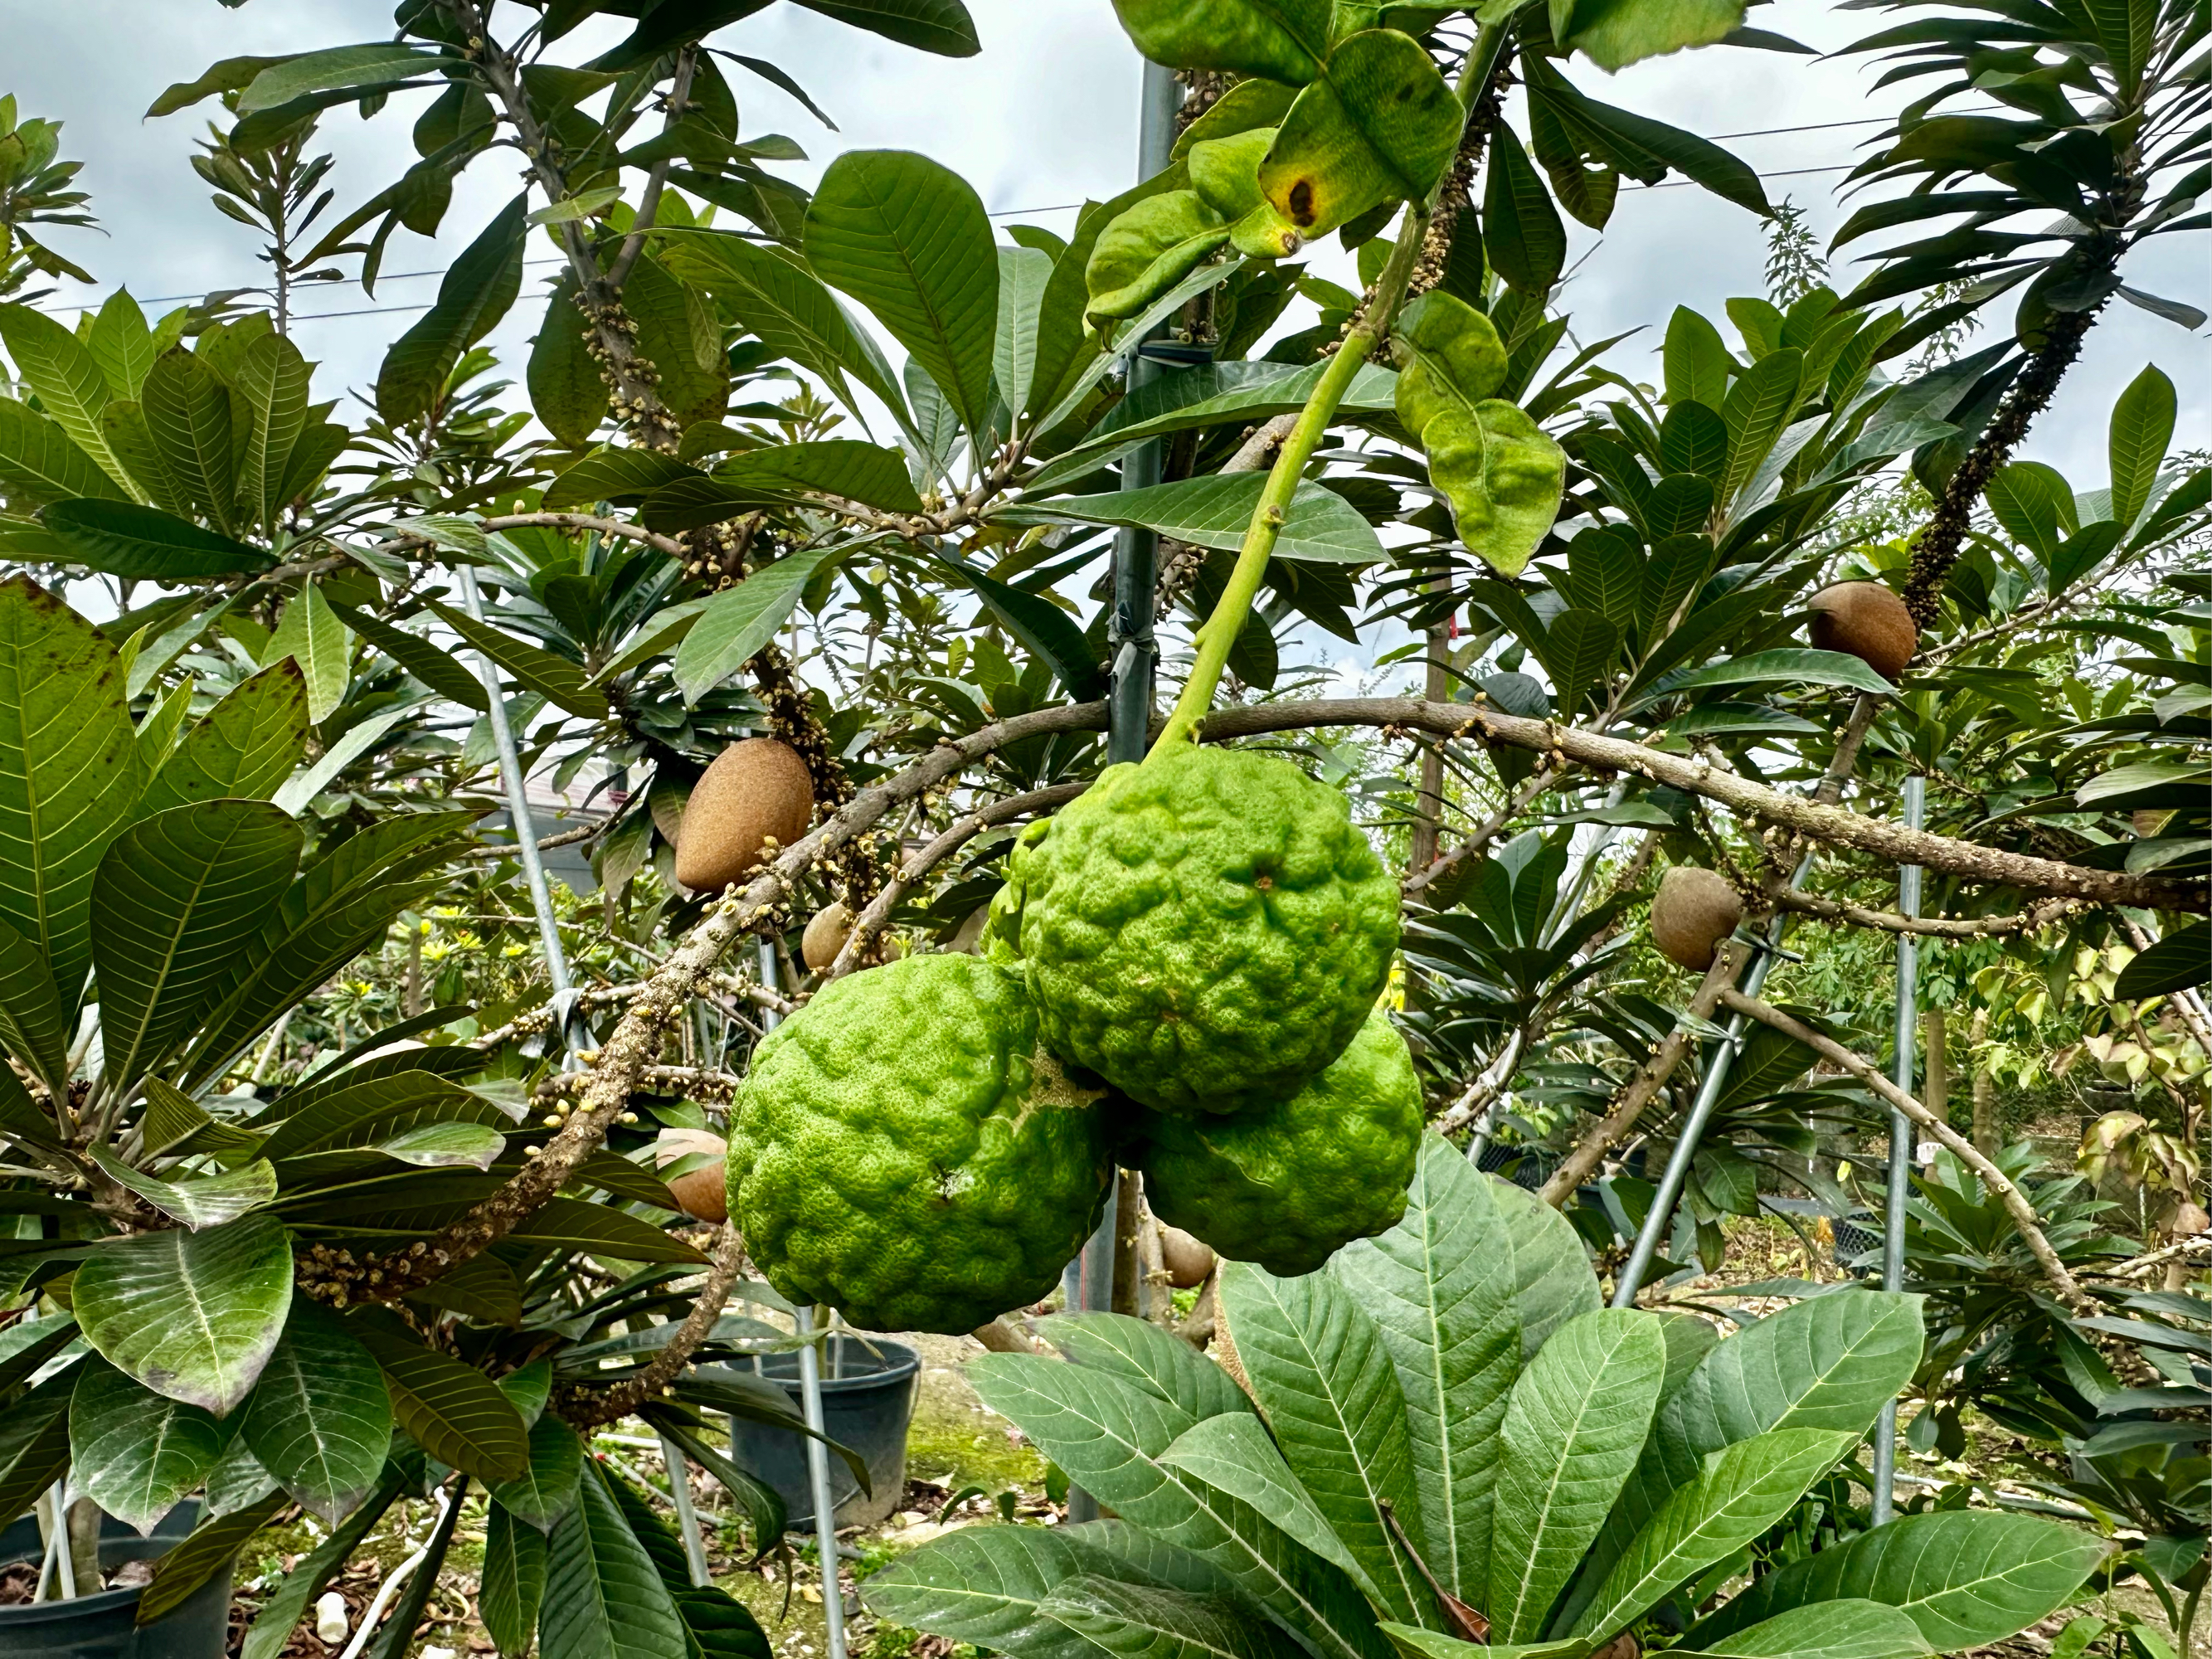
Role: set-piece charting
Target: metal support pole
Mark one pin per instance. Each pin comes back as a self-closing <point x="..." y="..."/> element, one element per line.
<point x="687" y="1518"/>
<point x="1901" y="1135"/>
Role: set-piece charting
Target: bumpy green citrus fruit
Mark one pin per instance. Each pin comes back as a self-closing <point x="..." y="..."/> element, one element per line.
<point x="1290" y="1183"/>
<point x="905" y="1150"/>
<point x="1203" y="931"/>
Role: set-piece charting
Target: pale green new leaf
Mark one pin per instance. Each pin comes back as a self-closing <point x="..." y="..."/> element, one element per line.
<point x="1440" y="1288"/>
<point x="1741" y="1493"/>
<point x="738" y="621"/>
<point x="604" y="1599"/>
<point x="2141" y="427"/>
<point x="1215" y="510"/>
<point x="133" y="1452"/>
<point x="177" y="896"/>
<point x="320" y="1418"/>
<point x="1614" y="33"/>
<point x="242" y="748"/>
<point x="203" y="1200"/>
<point x="1574" y="1424"/>
<point x="1323" y="1378"/>
<point x="192" y="1316"/>
<point x="1146" y="1622"/>
<point x="1845" y="1629"/>
<point x="311" y="634"/>
<point x="1148" y="248"/>
<point x="1281" y="39"/>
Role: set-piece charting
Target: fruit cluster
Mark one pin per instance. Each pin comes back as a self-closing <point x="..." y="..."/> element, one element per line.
<point x="1180" y="975"/>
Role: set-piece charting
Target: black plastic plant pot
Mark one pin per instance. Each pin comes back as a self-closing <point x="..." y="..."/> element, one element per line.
<point x="104" y="1626"/>
<point x="866" y="1405"/>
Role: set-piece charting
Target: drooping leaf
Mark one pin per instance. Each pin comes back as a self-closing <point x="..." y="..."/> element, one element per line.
<point x="864" y="472"/>
<point x="514" y="1581"/>
<point x="942" y="27"/>
<point x="1522" y="233"/>
<point x="454" y="1412"/>
<point x="553" y="678"/>
<point x="2179" y="962"/>
<point x="320" y="1419"/>
<point x="1614" y="33"/>
<point x="678" y="332"/>
<point x="475" y="294"/>
<point x="210" y="1548"/>
<point x="1149" y="248"/>
<point x="909" y="239"/>
<point x="207" y="1200"/>
<point x="192" y="1316"/>
<point x="604" y="1599"/>
<point x="1280" y="39"/>
<point x="34" y="1439"/>
<point x="1379" y="123"/>
<point x="123" y="538"/>
<point x="339" y="68"/>
<point x="565" y="388"/>
<point x="738" y="621"/>
<point x="1574" y="1424"/>
<point x="546" y="1489"/>
<point x="134" y="1453"/>
<point x="1214" y="511"/>
<point x="425" y="659"/>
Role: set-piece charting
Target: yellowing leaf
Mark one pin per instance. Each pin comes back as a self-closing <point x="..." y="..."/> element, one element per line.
<point x="1380" y="124"/>
<point x="1149" y="249"/>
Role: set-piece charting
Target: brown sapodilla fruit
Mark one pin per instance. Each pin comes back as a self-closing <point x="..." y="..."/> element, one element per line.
<point x="1188" y="1260"/>
<point x="825" y="936"/>
<point x="1693" y="911"/>
<point x="756" y="791"/>
<point x="1865" y="620"/>
<point x="703" y="1193"/>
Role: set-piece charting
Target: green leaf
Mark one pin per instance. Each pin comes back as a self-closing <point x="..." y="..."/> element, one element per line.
<point x="122" y="344"/>
<point x="1742" y="1491"/>
<point x="1552" y="1280"/>
<point x="303" y="785"/>
<point x="69" y="778"/>
<point x="1023" y="274"/>
<point x="206" y="1200"/>
<point x="723" y="1626"/>
<point x="123" y="538"/>
<point x="177" y="896"/>
<point x="311" y="634"/>
<point x="619" y="475"/>
<point x="2178" y="961"/>
<point x="909" y="239"/>
<point x="565" y="388"/>
<point x="1573" y="1427"/>
<point x="454" y="1412"/>
<point x="513" y="1582"/>
<point x="1046" y="631"/>
<point x="429" y="662"/>
<point x="474" y="295"/>
<point x="242" y="748"/>
<point x="1614" y="33"/>
<point x="867" y="473"/>
<point x="1695" y="361"/>
<point x="349" y="1111"/>
<point x="1109" y="1437"/>
<point x="132" y="1452"/>
<point x="573" y="1224"/>
<point x="1786" y="664"/>
<point x="738" y="621"/>
<point x="34" y="1440"/>
<point x="68" y="378"/>
<point x="272" y="384"/>
<point x="1579" y="649"/>
<point x="1318" y="1363"/>
<point x="1440" y="1288"/>
<point x="554" y="679"/>
<point x="39" y="464"/>
<point x="1143" y="1621"/>
<point x="210" y="1549"/>
<point x="1521" y="229"/>
<point x="186" y="406"/>
<point x="1141" y="1352"/>
<point x="1233" y="1455"/>
<point x="1214" y="394"/>
<point x="284" y="1608"/>
<point x="1214" y="511"/>
<point x="1845" y="1629"/>
<point x="1149" y="248"/>
<point x="320" y="1418"/>
<point x="1378" y="124"/>
<point x="1756" y="410"/>
<point x="678" y="332"/>
<point x="604" y="1599"/>
<point x="546" y="1489"/>
<point x="985" y="1586"/>
<point x="445" y="1146"/>
<point x="192" y="1316"/>
<point x="377" y="64"/>
<point x="1280" y="39"/>
<point x="2142" y="426"/>
<point x="1427" y="1644"/>
<point x="1966" y="1578"/>
<point x="1502" y="472"/>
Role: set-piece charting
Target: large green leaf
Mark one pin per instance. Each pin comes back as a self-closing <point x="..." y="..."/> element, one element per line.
<point x="1755" y="411"/>
<point x="34" y="1440"/>
<point x="1742" y="1491"/>
<point x="1318" y="1364"/>
<point x="546" y="1489"/>
<point x="187" y="409"/>
<point x="1235" y="1455"/>
<point x="1845" y="1629"/>
<point x="2180" y="961"/>
<point x="70" y="777"/>
<point x="577" y="1225"/>
<point x="377" y="64"/>
<point x="177" y="896"/>
<point x="514" y="1581"/>
<point x="474" y="295"/>
<point x="604" y="1599"/>
<point x="1614" y="33"/>
<point x="565" y="388"/>
<point x="1440" y="1288"/>
<point x="738" y="621"/>
<point x="1046" y="631"/>
<point x="270" y="384"/>
<point x="1023" y="274"/>
<point x="68" y="378"/>
<point x="455" y="1413"/>
<point x="867" y="473"/>
<point x="320" y="1418"/>
<point x="1428" y="1644"/>
<point x="939" y="26"/>
<point x="121" y="343"/>
<point x="1787" y="665"/>
<point x="134" y="1453"/>
<point x="210" y="1549"/>
<point x="554" y="679"/>
<point x="347" y="1111"/>
<point x="1501" y="472"/>
<point x="428" y="661"/>
<point x="1281" y="39"/>
<point x="985" y="1586"/>
<point x="193" y="1316"/>
<point x="40" y="464"/>
<point x="2141" y="427"/>
<point x="1215" y="511"/>
<point x="1520" y="230"/>
<point x="1152" y="246"/>
<point x="1379" y="123"/>
<point x="123" y="538"/>
<point x="207" y="1200"/>
<point x="1552" y="1280"/>
<point x="909" y="239"/>
<point x="284" y="1608"/>
<point x="1141" y="1352"/>
<point x="311" y="634"/>
<point x="1145" y="1621"/>
<point x="679" y="334"/>
<point x="1966" y="1578"/>
<point x="242" y="749"/>
<point x="1573" y="1427"/>
<point x="1109" y="1435"/>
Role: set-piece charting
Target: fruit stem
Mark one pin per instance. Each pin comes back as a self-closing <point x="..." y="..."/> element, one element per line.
<point x="1220" y="630"/>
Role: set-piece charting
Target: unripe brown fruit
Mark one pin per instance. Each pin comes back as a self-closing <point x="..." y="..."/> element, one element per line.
<point x="1188" y="1260"/>
<point x="703" y="1194"/>
<point x="826" y="937"/>
<point x="1865" y="620"/>
<point x="756" y="792"/>
<point x="1693" y="913"/>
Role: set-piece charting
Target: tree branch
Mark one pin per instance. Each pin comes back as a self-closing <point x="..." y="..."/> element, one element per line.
<point x="2032" y="919"/>
<point x="586" y="1409"/>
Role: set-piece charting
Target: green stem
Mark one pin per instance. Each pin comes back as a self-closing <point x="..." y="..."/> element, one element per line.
<point x="1220" y="630"/>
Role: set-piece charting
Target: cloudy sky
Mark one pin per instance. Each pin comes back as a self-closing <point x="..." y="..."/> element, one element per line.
<point x="1044" y="117"/>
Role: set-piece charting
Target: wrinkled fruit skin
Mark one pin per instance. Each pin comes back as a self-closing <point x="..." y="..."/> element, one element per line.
<point x="905" y="1150"/>
<point x="1290" y="1183"/>
<point x="1205" y="930"/>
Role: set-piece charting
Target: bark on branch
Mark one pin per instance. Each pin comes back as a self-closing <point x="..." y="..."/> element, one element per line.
<point x="588" y="1409"/>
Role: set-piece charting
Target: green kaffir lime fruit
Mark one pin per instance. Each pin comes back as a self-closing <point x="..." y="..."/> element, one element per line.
<point x="905" y="1150"/>
<point x="1289" y="1183"/>
<point x="1204" y="931"/>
